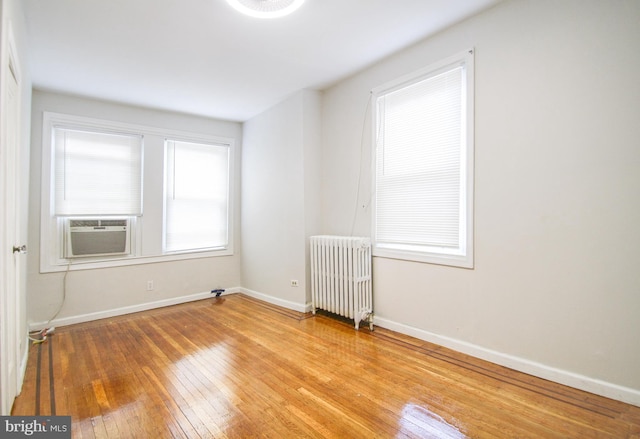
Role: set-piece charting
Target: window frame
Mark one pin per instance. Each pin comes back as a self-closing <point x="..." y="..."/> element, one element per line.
<point x="52" y="227"/>
<point x="165" y="247"/>
<point x="463" y="256"/>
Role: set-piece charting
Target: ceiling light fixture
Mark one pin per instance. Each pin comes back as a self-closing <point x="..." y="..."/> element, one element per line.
<point x="266" y="8"/>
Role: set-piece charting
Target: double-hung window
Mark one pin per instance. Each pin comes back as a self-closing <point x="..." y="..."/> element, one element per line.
<point x="117" y="194"/>
<point x="97" y="191"/>
<point x="196" y="196"/>
<point x="97" y="173"/>
<point x="423" y="177"/>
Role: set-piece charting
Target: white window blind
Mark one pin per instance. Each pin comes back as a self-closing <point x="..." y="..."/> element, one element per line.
<point x="421" y="172"/>
<point x="197" y="196"/>
<point x="97" y="173"/>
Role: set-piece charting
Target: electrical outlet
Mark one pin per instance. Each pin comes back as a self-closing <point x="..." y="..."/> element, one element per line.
<point x="149" y="285"/>
<point x="294" y="283"/>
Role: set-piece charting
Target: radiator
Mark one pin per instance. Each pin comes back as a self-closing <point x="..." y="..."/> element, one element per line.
<point x="341" y="277"/>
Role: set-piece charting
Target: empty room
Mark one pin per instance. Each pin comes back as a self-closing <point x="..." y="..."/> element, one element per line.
<point x="320" y="218"/>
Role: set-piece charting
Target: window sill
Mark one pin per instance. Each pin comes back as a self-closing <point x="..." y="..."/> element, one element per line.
<point x="92" y="264"/>
<point x="451" y="260"/>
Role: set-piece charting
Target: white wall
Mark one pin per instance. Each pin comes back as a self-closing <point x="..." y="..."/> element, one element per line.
<point x="102" y="292"/>
<point x="556" y="285"/>
<point x="280" y="199"/>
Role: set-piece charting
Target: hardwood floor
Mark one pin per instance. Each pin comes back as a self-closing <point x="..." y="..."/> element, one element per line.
<point x="237" y="367"/>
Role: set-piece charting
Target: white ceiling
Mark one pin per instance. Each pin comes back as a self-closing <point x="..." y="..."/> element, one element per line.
<point x="202" y="57"/>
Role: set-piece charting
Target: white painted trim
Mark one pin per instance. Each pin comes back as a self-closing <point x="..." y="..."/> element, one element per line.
<point x="51" y="241"/>
<point x="296" y="306"/>
<point x="34" y="326"/>
<point x="81" y="318"/>
<point x="582" y="382"/>
<point x="23" y="364"/>
<point x="571" y="379"/>
<point x="463" y="256"/>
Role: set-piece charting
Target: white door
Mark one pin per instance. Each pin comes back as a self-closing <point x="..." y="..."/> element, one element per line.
<point x="11" y="251"/>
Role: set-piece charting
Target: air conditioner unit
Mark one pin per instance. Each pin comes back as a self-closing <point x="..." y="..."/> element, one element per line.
<point x="97" y="237"/>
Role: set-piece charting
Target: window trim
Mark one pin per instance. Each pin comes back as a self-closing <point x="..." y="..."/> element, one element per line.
<point x="51" y="237"/>
<point x="175" y="140"/>
<point x="464" y="256"/>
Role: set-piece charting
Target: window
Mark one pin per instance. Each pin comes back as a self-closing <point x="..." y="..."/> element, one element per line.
<point x="122" y="194"/>
<point x="197" y="196"/>
<point x="97" y="173"/>
<point x="423" y="178"/>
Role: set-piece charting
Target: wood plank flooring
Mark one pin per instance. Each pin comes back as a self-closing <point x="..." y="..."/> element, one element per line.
<point x="240" y="368"/>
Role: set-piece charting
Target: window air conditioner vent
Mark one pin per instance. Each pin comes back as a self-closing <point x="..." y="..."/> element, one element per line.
<point x="97" y="237"/>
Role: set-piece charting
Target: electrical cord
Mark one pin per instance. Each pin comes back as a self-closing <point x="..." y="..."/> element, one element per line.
<point x="357" y="204"/>
<point x="43" y="333"/>
<point x="64" y="293"/>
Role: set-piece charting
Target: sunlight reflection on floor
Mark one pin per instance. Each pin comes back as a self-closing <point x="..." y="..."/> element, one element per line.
<point x="421" y="421"/>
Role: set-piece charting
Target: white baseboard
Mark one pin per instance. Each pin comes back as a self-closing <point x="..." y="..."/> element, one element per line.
<point x="125" y="310"/>
<point x="296" y="306"/>
<point x="577" y="381"/>
<point x="588" y="384"/>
